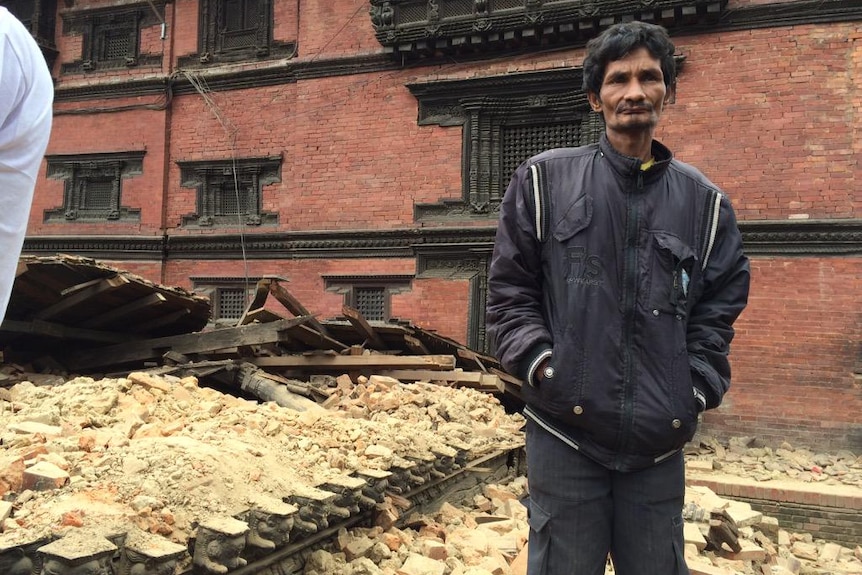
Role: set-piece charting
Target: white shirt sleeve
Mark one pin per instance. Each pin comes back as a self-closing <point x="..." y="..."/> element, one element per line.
<point x="26" y="98"/>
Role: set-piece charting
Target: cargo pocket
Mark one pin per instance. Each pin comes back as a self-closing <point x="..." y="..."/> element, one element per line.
<point x="540" y="539"/>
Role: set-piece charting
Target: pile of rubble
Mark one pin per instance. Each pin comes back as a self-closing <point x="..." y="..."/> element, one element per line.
<point x="747" y="457"/>
<point x="120" y="458"/>
<point x="160" y="474"/>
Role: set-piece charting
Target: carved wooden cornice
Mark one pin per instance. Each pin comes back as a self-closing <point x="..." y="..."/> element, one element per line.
<point x="77" y="20"/>
<point x="761" y="238"/>
<point x="417" y="28"/>
<point x="802" y="237"/>
<point x="774" y="15"/>
<point x="122" y="248"/>
<point x="759" y="16"/>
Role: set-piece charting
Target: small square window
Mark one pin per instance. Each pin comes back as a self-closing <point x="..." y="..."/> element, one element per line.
<point x="115" y="44"/>
<point x="111" y="41"/>
<point x="235" y="29"/>
<point x="370" y="302"/>
<point x="230" y="303"/>
<point x="371" y="296"/>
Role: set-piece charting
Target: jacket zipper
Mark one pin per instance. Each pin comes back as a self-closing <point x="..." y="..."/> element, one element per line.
<point x="629" y="296"/>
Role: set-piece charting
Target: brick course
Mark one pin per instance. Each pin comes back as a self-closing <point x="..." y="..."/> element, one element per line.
<point x="771" y="115"/>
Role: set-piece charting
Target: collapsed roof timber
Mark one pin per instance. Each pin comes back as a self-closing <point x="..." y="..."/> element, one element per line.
<point x="80" y="316"/>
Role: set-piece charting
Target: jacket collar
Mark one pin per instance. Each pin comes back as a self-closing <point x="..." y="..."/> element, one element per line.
<point x="629" y="167"/>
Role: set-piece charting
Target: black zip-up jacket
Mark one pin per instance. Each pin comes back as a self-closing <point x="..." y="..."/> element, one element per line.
<point x="629" y="281"/>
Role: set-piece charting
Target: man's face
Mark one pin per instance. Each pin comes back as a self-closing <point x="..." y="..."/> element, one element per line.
<point x="632" y="95"/>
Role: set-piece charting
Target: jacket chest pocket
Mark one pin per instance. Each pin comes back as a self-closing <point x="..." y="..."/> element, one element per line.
<point x="670" y="269"/>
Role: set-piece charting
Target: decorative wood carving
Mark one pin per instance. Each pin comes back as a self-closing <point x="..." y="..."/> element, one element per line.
<point x="419" y="28"/>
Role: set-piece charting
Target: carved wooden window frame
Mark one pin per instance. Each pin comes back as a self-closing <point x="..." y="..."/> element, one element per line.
<point x="349" y="285"/>
<point x="209" y="178"/>
<point x="213" y="32"/>
<point x="96" y="26"/>
<point x="81" y="173"/>
<point x="97" y="40"/>
<point x="215" y="287"/>
<point x="485" y="108"/>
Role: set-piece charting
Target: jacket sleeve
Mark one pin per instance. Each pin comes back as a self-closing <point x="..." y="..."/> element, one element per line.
<point x="726" y="279"/>
<point x="514" y="321"/>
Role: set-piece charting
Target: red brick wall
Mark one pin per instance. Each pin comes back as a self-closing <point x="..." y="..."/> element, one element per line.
<point x="773" y="116"/>
<point x="796" y="348"/>
<point x="76" y="133"/>
<point x="435" y="304"/>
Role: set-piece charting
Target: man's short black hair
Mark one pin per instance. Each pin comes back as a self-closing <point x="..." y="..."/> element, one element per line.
<point x="621" y="39"/>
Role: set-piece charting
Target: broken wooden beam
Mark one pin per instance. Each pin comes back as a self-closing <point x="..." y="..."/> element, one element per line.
<point x="76" y="295"/>
<point x="125" y="310"/>
<point x="374" y="361"/>
<point x="43" y="328"/>
<point x="261" y="291"/>
<point x="457" y="378"/>
<point x="294" y="306"/>
<point x="199" y="342"/>
<point x="361" y="325"/>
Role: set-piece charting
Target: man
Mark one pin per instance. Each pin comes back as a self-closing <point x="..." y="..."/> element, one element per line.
<point x="26" y="97"/>
<point x="616" y="277"/>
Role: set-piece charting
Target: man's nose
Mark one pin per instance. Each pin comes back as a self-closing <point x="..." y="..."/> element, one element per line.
<point x="635" y="91"/>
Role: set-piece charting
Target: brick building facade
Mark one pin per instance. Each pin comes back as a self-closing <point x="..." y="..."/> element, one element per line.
<point x="360" y="150"/>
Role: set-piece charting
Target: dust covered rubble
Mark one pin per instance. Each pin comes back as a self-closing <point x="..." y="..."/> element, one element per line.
<point x="749" y="457"/>
<point x="160" y="454"/>
<point x="487" y="535"/>
<point x="153" y="455"/>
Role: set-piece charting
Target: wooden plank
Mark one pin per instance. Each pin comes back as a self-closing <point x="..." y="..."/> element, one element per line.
<point x="118" y="313"/>
<point x="472" y="356"/>
<point x="315" y="339"/>
<point x="200" y="342"/>
<point x="161" y="321"/>
<point x="260" y="315"/>
<point x="346" y="362"/>
<point x="48" y="329"/>
<point x="510" y="385"/>
<point x="471" y="379"/>
<point x="294" y="306"/>
<point x="81" y="295"/>
<point x="361" y="325"/>
<point x="415" y="345"/>
<point x="261" y="292"/>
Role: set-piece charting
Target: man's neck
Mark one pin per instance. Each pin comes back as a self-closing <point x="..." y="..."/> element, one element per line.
<point x="633" y="145"/>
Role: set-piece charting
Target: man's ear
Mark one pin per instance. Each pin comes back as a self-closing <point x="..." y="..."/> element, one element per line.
<point x="595" y="102"/>
<point x="670" y="96"/>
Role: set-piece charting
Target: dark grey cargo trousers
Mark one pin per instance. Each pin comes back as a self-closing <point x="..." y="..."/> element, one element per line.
<point x="580" y="513"/>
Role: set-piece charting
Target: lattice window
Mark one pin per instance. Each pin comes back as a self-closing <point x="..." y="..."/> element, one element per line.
<point x="93" y="185"/>
<point x="521" y="142"/>
<point x="370" y="301"/>
<point x="457" y="8"/>
<point x="230" y="303"/>
<point x="235" y="29"/>
<point x="229" y="296"/>
<point x="230" y="200"/>
<point x="98" y="195"/>
<point x="111" y="40"/>
<point x="506" y="120"/>
<point x="239" y="24"/>
<point x="415" y="12"/>
<point x="370" y="295"/>
<point x="497" y="5"/>
<point x="230" y="193"/>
